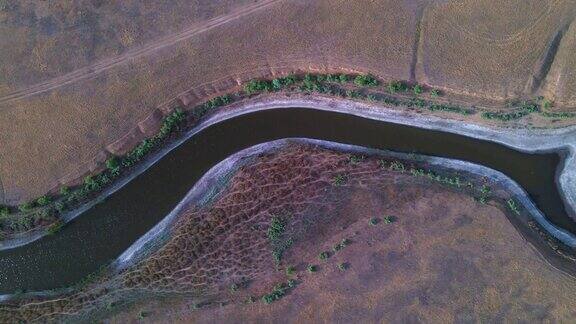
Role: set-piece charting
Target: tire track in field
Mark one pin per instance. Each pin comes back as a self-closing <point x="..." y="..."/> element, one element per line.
<point x="106" y="64"/>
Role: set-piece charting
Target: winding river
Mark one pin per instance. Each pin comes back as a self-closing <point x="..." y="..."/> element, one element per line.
<point x="103" y="232"/>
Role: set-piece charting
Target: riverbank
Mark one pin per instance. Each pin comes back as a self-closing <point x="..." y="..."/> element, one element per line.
<point x="214" y="181"/>
<point x="527" y="140"/>
<point x="562" y="140"/>
<point x="336" y="189"/>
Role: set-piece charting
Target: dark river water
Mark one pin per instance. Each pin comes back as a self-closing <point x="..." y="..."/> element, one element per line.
<point x="105" y="231"/>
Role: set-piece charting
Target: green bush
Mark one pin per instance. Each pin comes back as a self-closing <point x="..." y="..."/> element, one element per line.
<point x="450" y="108"/>
<point x="276" y="228"/>
<point x="340" y="179"/>
<point x="561" y="115"/>
<point x="113" y="163"/>
<point x="389" y="219"/>
<point x="513" y="206"/>
<point x="4" y="211"/>
<point x="43" y="201"/>
<point x="278" y="292"/>
<point x="343" y="78"/>
<point x="290" y="270"/>
<point x="417" y="89"/>
<point x="55" y="227"/>
<point x="254" y="86"/>
<point x="364" y="80"/>
<point x="276" y="84"/>
<point x="289" y="80"/>
<point x="373" y="221"/>
<point x="345" y="242"/>
<point x="525" y="109"/>
<point x="323" y="256"/>
<point x="343" y="266"/>
<point x="25" y="207"/>
<point x="397" y="86"/>
<point x="60" y="206"/>
<point x="312" y="268"/>
<point x="435" y="93"/>
<point x="64" y="190"/>
<point x="546" y="104"/>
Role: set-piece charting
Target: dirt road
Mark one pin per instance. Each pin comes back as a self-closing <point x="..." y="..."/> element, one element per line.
<point x="103" y="65"/>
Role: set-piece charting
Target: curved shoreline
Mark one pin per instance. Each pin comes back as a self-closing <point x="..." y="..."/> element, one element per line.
<point x="204" y="187"/>
<point x="524" y="140"/>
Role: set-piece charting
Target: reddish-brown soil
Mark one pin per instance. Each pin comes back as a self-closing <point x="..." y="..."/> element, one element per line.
<point x="445" y="258"/>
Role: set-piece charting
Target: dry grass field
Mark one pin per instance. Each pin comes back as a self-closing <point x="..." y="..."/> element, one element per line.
<point x="444" y="257"/>
<point x="68" y="94"/>
<point x="492" y="49"/>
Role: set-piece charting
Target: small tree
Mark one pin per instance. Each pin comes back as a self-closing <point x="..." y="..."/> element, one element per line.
<point x="417" y="89"/>
<point x="290" y="270"/>
<point x="276" y="84"/>
<point x="24" y="207"/>
<point x="323" y="256"/>
<point x="43" y="201"/>
<point x="113" y="163"/>
<point x="64" y="190"/>
<point x="365" y="80"/>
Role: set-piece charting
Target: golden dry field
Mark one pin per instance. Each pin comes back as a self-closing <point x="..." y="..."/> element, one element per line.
<point x="79" y="77"/>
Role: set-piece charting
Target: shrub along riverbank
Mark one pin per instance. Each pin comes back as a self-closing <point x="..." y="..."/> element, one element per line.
<point x="45" y="212"/>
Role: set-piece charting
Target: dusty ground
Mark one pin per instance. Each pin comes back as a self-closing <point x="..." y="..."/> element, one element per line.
<point x="83" y="74"/>
<point x="444" y="258"/>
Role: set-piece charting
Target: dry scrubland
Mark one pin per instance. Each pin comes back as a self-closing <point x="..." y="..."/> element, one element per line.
<point x="444" y="257"/>
<point x="483" y="48"/>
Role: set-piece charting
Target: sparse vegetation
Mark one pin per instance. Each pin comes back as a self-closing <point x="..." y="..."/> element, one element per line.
<point x="340" y="179"/>
<point x="55" y="227"/>
<point x="142" y="315"/>
<point x="334" y="84"/>
<point x="397" y="86"/>
<point x="323" y="256"/>
<point x="337" y="247"/>
<point x="312" y="268"/>
<point x="276" y="236"/>
<point x="25" y="207"/>
<point x="113" y="163"/>
<point x="513" y="206"/>
<point x="343" y="266"/>
<point x="279" y="291"/>
<point x="43" y="201"/>
<point x="364" y="80"/>
<point x="417" y="89"/>
<point x="525" y="109"/>
<point x="389" y="219"/>
<point x="290" y="270"/>
<point x="451" y="109"/>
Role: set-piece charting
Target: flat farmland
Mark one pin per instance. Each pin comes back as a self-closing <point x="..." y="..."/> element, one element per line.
<point x="497" y="50"/>
<point x="62" y="120"/>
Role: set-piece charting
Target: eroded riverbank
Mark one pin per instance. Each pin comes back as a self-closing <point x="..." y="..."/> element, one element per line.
<point x="109" y="228"/>
<point x="217" y="237"/>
